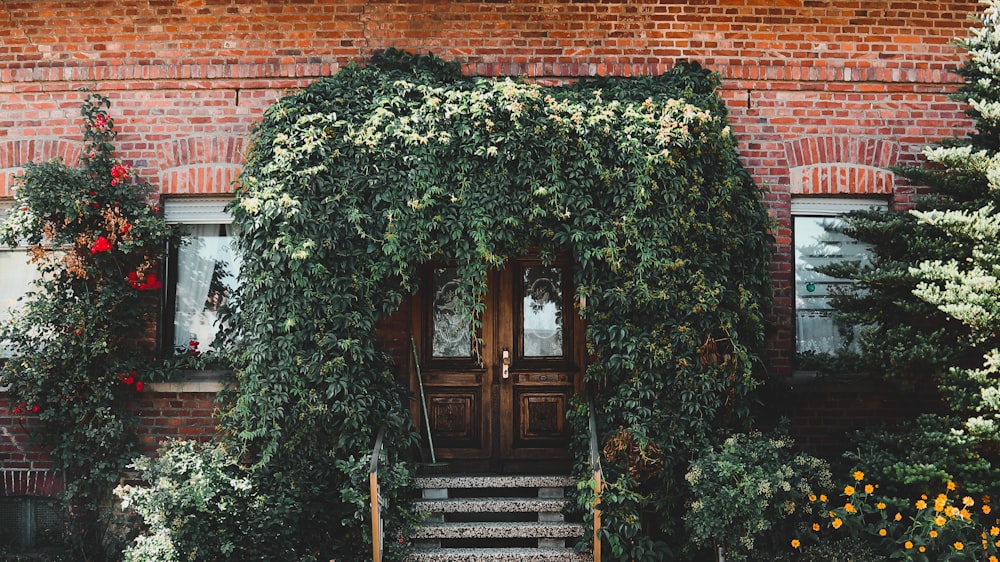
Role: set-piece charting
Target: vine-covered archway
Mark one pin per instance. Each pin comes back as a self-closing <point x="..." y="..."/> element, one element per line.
<point x="353" y="182"/>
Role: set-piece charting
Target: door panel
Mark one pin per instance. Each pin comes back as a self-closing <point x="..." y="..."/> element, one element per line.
<point x="501" y="407"/>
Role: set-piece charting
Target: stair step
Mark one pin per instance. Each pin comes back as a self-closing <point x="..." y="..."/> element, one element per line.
<point x="460" y="481"/>
<point x="499" y="530"/>
<point x="491" y="505"/>
<point x="498" y="555"/>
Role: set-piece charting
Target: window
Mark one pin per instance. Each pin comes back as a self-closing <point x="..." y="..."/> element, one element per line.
<point x="816" y="244"/>
<point x="201" y="272"/>
<point x="16" y="278"/>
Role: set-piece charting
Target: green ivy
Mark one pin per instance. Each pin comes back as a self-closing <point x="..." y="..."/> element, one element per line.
<point x="98" y="240"/>
<point x="354" y="182"/>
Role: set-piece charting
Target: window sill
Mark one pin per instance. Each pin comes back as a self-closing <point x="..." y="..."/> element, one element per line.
<point x="193" y="382"/>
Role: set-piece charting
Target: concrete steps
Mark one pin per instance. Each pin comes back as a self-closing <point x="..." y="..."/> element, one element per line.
<point x="496" y="518"/>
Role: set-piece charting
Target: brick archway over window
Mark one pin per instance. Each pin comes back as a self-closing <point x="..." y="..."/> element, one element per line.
<point x="840" y="165"/>
<point x="200" y="165"/>
<point x="14" y="154"/>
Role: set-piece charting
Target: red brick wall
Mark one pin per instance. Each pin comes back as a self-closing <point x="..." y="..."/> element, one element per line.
<point x="164" y="410"/>
<point x="822" y="93"/>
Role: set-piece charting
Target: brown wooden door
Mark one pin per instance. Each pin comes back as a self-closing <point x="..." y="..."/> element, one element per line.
<point x="499" y="404"/>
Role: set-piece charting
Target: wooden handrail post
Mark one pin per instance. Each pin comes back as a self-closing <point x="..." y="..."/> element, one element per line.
<point x="376" y="518"/>
<point x="598" y="488"/>
<point x="595" y="465"/>
<point x="375" y="498"/>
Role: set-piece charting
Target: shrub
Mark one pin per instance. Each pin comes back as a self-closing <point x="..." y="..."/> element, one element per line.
<point x="949" y="526"/>
<point x="746" y="488"/>
<point x="98" y="240"/>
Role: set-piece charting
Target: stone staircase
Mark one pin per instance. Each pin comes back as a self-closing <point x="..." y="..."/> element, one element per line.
<point x="496" y="518"/>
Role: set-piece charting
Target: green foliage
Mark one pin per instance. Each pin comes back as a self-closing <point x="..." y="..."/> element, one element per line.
<point x="743" y="490"/>
<point x="200" y="504"/>
<point x="947" y="524"/>
<point x="354" y="182"/>
<point x="97" y="240"/>
<point x="932" y="294"/>
<point x="923" y="455"/>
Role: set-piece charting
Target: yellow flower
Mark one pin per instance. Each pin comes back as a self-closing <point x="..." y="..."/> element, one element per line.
<point x="859" y="476"/>
<point x="968" y="501"/>
<point x="816" y="527"/>
<point x="921" y="504"/>
<point x="812" y="497"/>
<point x="939" y="520"/>
<point x="849" y="508"/>
<point x="994" y="559"/>
<point x="796" y="543"/>
<point x="849" y="491"/>
<point x="958" y="546"/>
<point x="964" y="514"/>
<point x="986" y="509"/>
<point x="922" y="548"/>
<point x="837" y="523"/>
<point x="951" y="485"/>
<point x="908" y="545"/>
<point x="822" y="497"/>
<point x="869" y="488"/>
<point x="882" y="532"/>
<point x="880" y="505"/>
<point x="994" y="531"/>
<point x="933" y="533"/>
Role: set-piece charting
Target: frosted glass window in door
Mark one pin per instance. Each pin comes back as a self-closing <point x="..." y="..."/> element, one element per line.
<point x="450" y="327"/>
<point x="542" y="312"/>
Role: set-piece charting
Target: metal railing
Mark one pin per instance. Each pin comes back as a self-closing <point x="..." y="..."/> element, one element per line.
<point x="598" y="478"/>
<point x="376" y="498"/>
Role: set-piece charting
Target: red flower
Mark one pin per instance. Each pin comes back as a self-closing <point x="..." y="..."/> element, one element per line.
<point x="139" y="386"/>
<point x="129" y="379"/>
<point x="36" y="408"/>
<point x="118" y="173"/>
<point x="100" y="122"/>
<point x="125" y="228"/>
<point x="17" y="410"/>
<point x="102" y="244"/>
<point x="151" y="283"/>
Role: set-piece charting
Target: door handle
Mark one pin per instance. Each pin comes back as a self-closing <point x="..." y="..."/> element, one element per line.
<point x="505" y="370"/>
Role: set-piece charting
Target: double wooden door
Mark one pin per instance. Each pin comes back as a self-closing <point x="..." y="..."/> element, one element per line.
<point x="496" y="399"/>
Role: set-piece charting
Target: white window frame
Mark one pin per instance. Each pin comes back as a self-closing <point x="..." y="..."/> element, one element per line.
<point x="821" y="208"/>
<point x="5" y="207"/>
<point x="180" y="212"/>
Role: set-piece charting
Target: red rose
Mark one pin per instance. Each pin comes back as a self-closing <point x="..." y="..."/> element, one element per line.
<point x="17" y="410"/>
<point x="139" y="386"/>
<point x="102" y="244"/>
<point x="36" y="408"/>
<point x="129" y="379"/>
<point x="151" y="284"/>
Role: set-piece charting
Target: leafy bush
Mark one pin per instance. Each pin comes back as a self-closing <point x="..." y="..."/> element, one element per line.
<point x="746" y="488"/>
<point x="924" y="454"/>
<point x="200" y="504"/>
<point x="953" y="526"/>
<point x="98" y="240"/>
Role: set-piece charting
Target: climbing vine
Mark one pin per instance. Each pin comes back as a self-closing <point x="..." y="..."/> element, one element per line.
<point x="97" y="240"/>
<point x="354" y="182"/>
